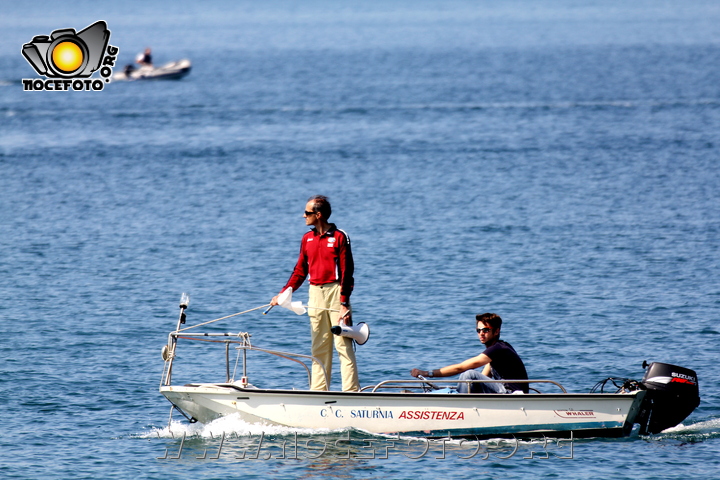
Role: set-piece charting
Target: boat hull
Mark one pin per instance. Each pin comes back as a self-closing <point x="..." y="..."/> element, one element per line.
<point x="170" y="71"/>
<point x="416" y="414"/>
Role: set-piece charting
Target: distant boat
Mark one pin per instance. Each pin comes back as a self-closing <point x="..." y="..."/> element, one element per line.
<point x="169" y="71"/>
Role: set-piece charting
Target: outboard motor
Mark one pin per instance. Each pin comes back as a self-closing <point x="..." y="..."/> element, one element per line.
<point x="672" y="395"/>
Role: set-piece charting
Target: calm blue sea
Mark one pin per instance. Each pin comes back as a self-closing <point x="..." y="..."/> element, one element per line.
<point x="554" y="162"/>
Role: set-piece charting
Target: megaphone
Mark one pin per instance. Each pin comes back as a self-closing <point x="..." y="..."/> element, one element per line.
<point x="360" y="332"/>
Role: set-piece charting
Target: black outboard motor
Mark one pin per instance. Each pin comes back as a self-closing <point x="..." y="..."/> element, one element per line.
<point x="672" y="395"/>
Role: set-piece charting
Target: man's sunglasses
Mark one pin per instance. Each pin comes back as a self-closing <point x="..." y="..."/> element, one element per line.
<point x="483" y="330"/>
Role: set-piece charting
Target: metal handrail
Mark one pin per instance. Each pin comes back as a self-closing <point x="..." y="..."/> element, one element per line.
<point x="171" y="347"/>
<point x="386" y="382"/>
<point x="185" y="334"/>
<point x="242" y="338"/>
<point x="288" y="356"/>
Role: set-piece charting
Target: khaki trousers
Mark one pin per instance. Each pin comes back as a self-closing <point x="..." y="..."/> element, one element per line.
<point x="328" y="296"/>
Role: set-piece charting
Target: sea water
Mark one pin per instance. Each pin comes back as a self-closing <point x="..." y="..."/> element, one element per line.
<point x="552" y="162"/>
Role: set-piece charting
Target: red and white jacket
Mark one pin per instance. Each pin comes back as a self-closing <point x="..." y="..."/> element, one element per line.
<point x="325" y="259"/>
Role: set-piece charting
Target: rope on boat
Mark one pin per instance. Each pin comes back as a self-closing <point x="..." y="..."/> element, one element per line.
<point x="222" y="318"/>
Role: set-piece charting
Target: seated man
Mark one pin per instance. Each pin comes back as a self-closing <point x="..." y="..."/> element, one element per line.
<point x="499" y="359"/>
<point x="145" y="58"/>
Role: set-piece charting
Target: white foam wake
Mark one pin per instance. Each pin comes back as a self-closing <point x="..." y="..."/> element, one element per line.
<point x="229" y="425"/>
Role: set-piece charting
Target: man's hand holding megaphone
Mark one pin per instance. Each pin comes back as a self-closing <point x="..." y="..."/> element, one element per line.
<point x="345" y="315"/>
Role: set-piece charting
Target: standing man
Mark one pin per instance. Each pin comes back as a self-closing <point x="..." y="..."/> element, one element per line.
<point x="500" y="361"/>
<point x="326" y="257"/>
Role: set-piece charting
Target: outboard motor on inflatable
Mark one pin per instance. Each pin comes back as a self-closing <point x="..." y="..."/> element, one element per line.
<point x="672" y="395"/>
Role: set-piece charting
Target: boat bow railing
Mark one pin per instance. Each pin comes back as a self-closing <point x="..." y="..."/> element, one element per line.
<point x="242" y="339"/>
<point x="286" y="356"/>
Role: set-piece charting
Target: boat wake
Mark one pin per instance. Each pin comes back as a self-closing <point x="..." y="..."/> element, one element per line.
<point x="695" y="432"/>
<point x="229" y="425"/>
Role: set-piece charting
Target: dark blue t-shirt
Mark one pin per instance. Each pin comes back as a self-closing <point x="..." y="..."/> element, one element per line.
<point x="507" y="363"/>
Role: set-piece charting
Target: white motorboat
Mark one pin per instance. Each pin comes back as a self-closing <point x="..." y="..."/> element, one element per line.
<point x="666" y="396"/>
<point x="169" y="71"/>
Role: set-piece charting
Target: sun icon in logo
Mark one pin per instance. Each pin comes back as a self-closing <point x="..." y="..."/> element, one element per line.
<point x="67" y="56"/>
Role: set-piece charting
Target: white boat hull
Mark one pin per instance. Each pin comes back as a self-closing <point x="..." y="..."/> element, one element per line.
<point x="169" y="71"/>
<point x="416" y="414"/>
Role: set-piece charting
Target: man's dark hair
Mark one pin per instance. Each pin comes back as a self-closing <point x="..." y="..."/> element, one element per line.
<point x="491" y="319"/>
<point x="321" y="204"/>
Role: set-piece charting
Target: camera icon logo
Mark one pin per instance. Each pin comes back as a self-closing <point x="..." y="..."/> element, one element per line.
<point x="67" y="54"/>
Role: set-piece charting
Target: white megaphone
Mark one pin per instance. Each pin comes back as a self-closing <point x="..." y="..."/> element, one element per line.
<point x="360" y="332"/>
